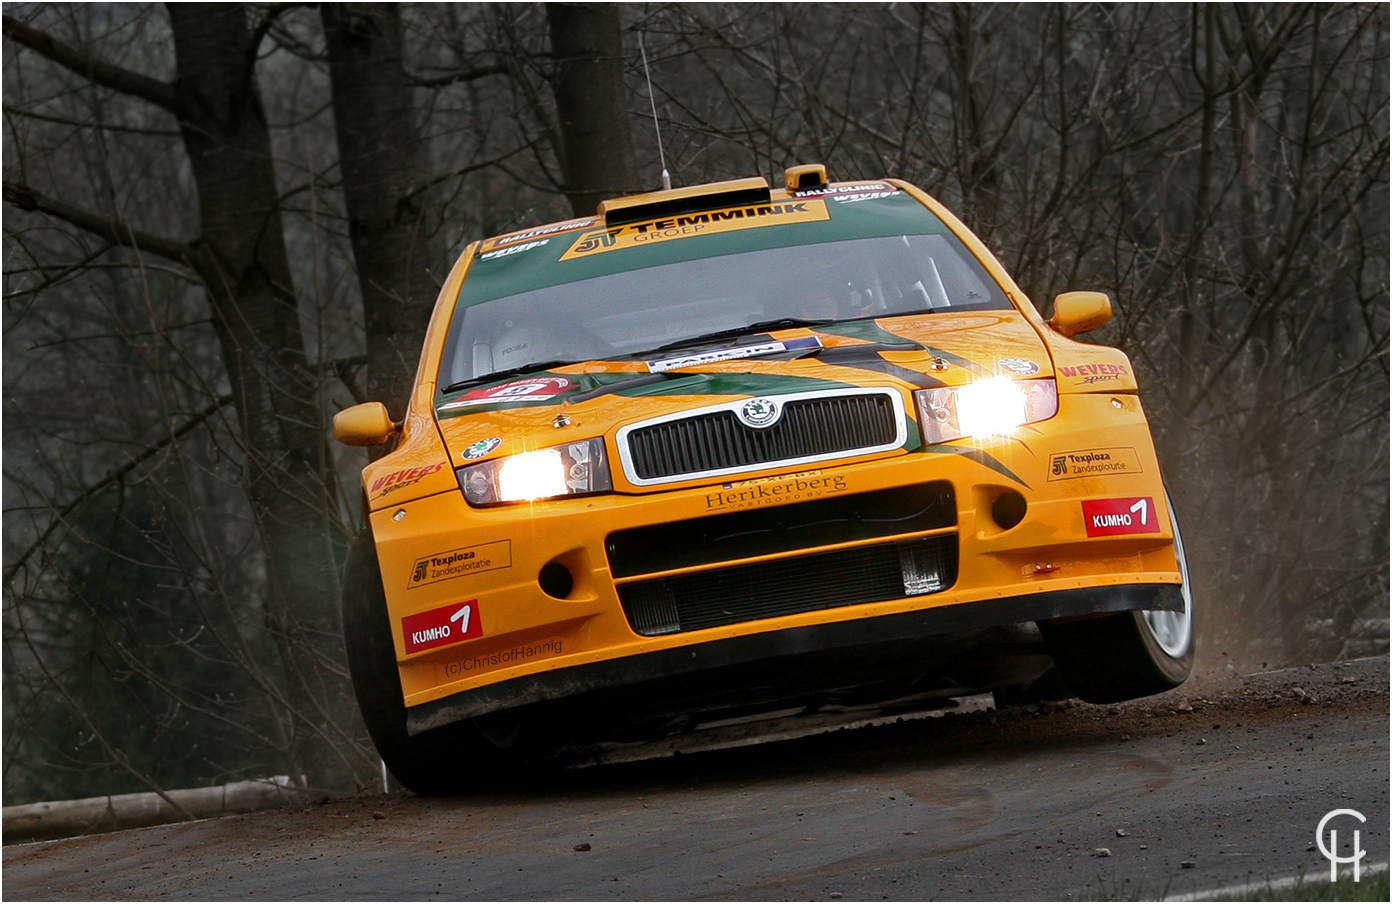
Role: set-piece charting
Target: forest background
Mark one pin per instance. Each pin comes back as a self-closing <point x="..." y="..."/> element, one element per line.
<point x="225" y="222"/>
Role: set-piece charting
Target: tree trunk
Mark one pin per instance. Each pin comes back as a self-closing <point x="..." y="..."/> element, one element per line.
<point x="247" y="276"/>
<point x="1200" y="217"/>
<point x="377" y="157"/>
<point x="591" y="103"/>
<point x="976" y="162"/>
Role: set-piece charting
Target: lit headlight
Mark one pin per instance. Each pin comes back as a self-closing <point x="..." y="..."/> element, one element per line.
<point x="993" y="406"/>
<point x="575" y="469"/>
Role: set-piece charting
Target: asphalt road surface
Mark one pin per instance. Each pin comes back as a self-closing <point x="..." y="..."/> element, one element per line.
<point x="1219" y="783"/>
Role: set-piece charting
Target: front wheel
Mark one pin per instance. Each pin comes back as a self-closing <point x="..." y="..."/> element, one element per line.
<point x="1129" y="654"/>
<point x="451" y="759"/>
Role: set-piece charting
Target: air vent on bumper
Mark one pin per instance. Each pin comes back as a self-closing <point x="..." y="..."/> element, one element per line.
<point x="824" y="580"/>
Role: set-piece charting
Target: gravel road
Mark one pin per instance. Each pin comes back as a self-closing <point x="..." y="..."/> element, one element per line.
<point x="1221" y="782"/>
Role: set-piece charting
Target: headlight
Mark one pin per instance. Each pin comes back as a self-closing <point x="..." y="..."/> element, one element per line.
<point x="575" y="469"/>
<point x="993" y="406"/>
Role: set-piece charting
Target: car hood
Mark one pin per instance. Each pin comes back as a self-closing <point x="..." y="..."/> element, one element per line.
<point x="596" y="398"/>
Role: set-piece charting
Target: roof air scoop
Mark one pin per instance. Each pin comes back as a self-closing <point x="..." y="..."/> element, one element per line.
<point x="660" y="204"/>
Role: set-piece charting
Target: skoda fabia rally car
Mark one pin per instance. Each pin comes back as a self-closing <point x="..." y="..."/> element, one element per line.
<point x="731" y="449"/>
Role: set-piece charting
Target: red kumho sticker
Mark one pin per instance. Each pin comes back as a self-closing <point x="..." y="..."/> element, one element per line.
<point x="442" y="627"/>
<point x="1109" y="517"/>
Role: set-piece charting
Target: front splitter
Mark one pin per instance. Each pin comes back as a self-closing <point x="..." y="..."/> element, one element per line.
<point x="855" y="637"/>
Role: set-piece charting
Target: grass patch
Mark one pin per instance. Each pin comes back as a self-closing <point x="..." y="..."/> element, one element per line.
<point x="1311" y="887"/>
<point x="1370" y="888"/>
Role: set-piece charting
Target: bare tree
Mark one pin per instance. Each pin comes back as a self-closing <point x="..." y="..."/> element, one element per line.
<point x="382" y="190"/>
<point x="591" y="103"/>
<point x="240" y="260"/>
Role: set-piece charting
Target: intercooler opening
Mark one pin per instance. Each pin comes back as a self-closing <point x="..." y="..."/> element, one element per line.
<point x="807" y="583"/>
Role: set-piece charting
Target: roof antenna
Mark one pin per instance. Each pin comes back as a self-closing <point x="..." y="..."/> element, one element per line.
<point x="666" y="178"/>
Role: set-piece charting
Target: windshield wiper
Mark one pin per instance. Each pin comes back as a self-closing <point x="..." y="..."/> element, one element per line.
<point x="525" y="368"/>
<point x="759" y="326"/>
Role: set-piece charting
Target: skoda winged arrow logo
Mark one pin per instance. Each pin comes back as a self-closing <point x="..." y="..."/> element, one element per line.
<point x="759" y="413"/>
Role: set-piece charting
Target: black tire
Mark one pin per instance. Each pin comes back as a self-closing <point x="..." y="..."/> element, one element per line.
<point x="459" y="757"/>
<point x="1118" y="657"/>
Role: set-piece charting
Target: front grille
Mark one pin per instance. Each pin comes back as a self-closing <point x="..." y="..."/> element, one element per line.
<point x="827" y="580"/>
<point x="716" y="441"/>
<point x="780" y="528"/>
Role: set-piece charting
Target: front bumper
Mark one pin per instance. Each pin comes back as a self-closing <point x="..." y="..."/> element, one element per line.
<point x="527" y="645"/>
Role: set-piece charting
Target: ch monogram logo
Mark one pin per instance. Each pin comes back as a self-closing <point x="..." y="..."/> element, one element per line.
<point x="1331" y="853"/>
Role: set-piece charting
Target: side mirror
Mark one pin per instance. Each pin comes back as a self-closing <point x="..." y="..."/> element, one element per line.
<point x="367" y="424"/>
<point x="1079" y="312"/>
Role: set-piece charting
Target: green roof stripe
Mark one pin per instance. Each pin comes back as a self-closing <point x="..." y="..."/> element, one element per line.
<point x="540" y="266"/>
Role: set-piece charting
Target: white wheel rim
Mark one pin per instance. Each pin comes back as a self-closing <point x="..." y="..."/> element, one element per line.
<point x="1172" y="630"/>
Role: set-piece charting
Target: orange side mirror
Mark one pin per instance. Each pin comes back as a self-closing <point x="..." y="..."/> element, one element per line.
<point x="367" y="424"/>
<point x="1079" y="312"/>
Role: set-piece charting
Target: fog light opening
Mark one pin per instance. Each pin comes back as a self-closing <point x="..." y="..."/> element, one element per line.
<point x="1008" y="509"/>
<point x="556" y="580"/>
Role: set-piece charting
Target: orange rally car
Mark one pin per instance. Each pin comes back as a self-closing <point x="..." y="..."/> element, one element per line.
<point x="729" y="448"/>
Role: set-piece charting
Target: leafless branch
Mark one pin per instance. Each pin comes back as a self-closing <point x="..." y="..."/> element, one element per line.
<point x="114" y="476"/>
<point x="473" y="73"/>
<point x="26" y="198"/>
<point x="102" y="73"/>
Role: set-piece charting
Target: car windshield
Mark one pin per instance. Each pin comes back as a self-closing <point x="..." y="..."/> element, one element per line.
<point x="635" y="311"/>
